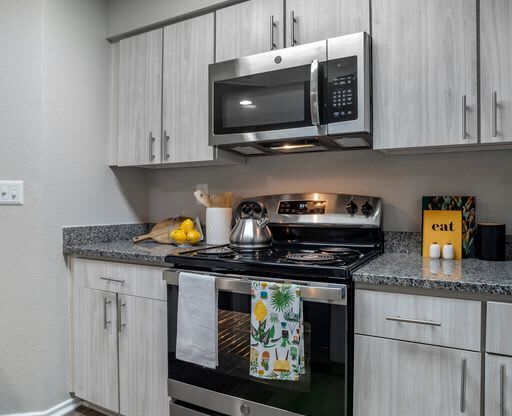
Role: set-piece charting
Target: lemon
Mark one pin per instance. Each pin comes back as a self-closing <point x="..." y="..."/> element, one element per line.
<point x="179" y="236"/>
<point x="187" y="226"/>
<point x="193" y="236"/>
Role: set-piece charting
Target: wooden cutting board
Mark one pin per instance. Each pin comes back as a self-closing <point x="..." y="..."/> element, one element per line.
<point x="161" y="231"/>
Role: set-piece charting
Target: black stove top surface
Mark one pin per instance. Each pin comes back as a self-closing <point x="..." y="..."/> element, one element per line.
<point x="313" y="260"/>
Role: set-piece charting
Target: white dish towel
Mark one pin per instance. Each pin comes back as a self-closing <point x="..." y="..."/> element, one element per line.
<point x="197" y="334"/>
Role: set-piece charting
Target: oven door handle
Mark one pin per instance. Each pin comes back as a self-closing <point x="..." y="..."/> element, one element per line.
<point x="334" y="294"/>
<point x="313" y="93"/>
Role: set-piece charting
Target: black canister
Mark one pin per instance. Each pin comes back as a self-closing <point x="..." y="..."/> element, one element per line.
<point x="491" y="242"/>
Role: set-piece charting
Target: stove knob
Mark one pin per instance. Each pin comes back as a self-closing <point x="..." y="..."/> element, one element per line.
<point x="367" y="209"/>
<point x="245" y="410"/>
<point x="352" y="208"/>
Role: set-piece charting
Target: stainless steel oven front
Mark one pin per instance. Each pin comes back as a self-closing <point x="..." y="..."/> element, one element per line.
<point x="302" y="98"/>
<point x="229" y="390"/>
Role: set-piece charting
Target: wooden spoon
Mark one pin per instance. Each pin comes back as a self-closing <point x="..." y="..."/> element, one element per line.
<point x="203" y="198"/>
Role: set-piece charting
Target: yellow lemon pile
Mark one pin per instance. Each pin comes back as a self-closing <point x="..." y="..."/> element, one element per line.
<point x="187" y="233"/>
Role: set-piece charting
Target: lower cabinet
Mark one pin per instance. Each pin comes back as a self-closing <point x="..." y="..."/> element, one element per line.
<point x="397" y="378"/>
<point x="498" y="385"/>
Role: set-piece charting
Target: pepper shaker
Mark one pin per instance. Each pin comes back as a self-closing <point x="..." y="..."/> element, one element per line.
<point x="448" y="251"/>
<point x="435" y="251"/>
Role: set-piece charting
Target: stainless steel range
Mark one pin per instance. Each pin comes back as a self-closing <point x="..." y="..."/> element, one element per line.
<point x="318" y="241"/>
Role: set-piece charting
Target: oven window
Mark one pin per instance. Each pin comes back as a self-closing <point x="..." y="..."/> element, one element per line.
<point x="269" y="101"/>
<point x="321" y="391"/>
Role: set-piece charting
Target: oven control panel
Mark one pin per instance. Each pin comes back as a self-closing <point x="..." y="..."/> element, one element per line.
<point x="342" y="89"/>
<point x="302" y="207"/>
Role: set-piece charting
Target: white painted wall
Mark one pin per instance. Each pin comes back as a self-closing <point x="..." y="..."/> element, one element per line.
<point x="54" y="83"/>
<point x="400" y="180"/>
<point x="127" y="15"/>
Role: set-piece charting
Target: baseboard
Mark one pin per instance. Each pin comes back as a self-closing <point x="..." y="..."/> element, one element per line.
<point x="60" y="410"/>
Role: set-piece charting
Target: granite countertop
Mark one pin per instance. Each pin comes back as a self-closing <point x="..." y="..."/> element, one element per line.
<point x="412" y="270"/>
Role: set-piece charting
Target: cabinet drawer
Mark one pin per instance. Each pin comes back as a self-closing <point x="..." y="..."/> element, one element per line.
<point x="499" y="328"/>
<point x="438" y="321"/>
<point x="128" y="279"/>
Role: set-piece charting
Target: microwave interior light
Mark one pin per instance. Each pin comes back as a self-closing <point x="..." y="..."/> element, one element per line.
<point x="245" y="102"/>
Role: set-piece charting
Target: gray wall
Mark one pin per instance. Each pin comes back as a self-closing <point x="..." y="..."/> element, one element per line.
<point x="54" y="81"/>
<point x="400" y="180"/>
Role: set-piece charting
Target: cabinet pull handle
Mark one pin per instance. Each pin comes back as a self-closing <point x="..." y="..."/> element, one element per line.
<point x="109" y="279"/>
<point x="463" y="386"/>
<point x="120" y="324"/>
<point x="502" y="390"/>
<point x="494" y="114"/>
<point x="151" y="146"/>
<point x="166" y="145"/>
<point x="412" y="321"/>
<point x="272" y="26"/>
<point x="464" y="118"/>
<point x="293" y="23"/>
<point x="106" y="322"/>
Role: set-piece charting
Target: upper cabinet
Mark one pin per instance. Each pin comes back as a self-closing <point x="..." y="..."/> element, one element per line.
<point x="310" y="21"/>
<point x="249" y="28"/>
<point x="140" y="98"/>
<point x="425" y="73"/>
<point x="188" y="50"/>
<point x="496" y="76"/>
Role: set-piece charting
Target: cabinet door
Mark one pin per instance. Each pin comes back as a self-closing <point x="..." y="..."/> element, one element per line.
<point x="247" y="29"/>
<point x="425" y="73"/>
<point x="498" y="385"/>
<point x="309" y="21"/>
<point x="140" y="99"/>
<point x="95" y="347"/>
<point x="396" y="378"/>
<point x="188" y="49"/>
<point x="143" y="356"/>
<point x="496" y="77"/>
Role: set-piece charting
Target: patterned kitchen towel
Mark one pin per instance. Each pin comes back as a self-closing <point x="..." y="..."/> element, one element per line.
<point x="277" y="329"/>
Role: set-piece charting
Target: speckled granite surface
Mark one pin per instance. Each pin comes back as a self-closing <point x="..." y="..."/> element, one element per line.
<point x="75" y="236"/>
<point x="411" y="270"/>
<point x="402" y="242"/>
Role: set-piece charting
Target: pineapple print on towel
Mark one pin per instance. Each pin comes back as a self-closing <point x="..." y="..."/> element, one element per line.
<point x="277" y="345"/>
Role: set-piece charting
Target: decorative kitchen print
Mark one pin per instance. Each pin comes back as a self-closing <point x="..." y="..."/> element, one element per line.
<point x="450" y="219"/>
<point x="277" y="331"/>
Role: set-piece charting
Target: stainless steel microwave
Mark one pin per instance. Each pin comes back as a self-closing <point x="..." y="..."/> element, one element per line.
<point x="304" y="98"/>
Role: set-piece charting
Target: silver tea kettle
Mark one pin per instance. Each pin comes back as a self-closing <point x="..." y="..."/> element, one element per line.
<point x="251" y="231"/>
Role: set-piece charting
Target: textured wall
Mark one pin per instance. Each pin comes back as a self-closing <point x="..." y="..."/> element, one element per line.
<point x="54" y="82"/>
<point x="400" y="180"/>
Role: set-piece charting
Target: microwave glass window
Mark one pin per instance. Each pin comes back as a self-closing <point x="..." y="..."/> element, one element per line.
<point x="267" y="101"/>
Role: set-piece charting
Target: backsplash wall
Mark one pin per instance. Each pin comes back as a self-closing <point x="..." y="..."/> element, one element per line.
<point x="401" y="180"/>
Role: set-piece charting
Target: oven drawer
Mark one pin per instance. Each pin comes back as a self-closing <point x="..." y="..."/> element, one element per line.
<point x="128" y="279"/>
<point x="445" y="322"/>
<point x="499" y="328"/>
<point x="177" y="410"/>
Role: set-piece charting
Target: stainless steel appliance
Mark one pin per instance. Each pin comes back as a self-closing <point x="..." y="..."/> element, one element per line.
<point x="251" y="231"/>
<point x="318" y="241"/>
<point x="306" y="98"/>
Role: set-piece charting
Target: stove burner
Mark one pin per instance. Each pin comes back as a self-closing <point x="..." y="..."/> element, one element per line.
<point x="311" y="258"/>
<point x="341" y="252"/>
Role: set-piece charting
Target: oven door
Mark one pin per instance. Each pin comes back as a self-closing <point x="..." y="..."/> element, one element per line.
<point x="230" y="390"/>
<point x="271" y="96"/>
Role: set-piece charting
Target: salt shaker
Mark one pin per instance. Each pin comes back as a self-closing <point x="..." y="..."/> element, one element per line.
<point x="448" y="251"/>
<point x="435" y="251"/>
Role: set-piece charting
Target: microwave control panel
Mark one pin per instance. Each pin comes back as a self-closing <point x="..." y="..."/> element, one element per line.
<point x="342" y="90"/>
<point x="302" y="207"/>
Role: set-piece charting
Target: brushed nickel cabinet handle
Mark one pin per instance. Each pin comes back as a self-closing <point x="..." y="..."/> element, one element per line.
<point x="412" y="321"/>
<point x="293" y="23"/>
<point x="503" y="406"/>
<point x="109" y="279"/>
<point x="494" y="114"/>
<point x="464" y="117"/>
<point x="151" y="146"/>
<point x="272" y="26"/>
<point x="120" y="324"/>
<point x="106" y="322"/>
<point x="166" y="145"/>
<point x="463" y="386"/>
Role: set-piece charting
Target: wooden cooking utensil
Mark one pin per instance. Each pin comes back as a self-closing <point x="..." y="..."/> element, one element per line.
<point x="221" y="200"/>
<point x="203" y="198"/>
<point x="161" y="231"/>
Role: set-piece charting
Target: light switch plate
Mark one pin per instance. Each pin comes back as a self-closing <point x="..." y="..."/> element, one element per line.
<point x="11" y="192"/>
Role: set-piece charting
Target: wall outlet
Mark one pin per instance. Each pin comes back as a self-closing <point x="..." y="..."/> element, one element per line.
<point x="11" y="192"/>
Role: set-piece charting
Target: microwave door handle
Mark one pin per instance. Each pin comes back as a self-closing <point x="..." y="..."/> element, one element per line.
<point x="313" y="93"/>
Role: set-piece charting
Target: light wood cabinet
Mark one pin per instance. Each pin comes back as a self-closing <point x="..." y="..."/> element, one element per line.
<point x="402" y="378"/>
<point x="95" y="347"/>
<point x="188" y="50"/>
<point x="425" y="73"/>
<point x="495" y="64"/>
<point x="140" y="99"/>
<point x="249" y="28"/>
<point x="310" y="21"/>
<point x="498" y="385"/>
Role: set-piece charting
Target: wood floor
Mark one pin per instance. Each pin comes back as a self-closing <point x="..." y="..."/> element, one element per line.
<point x="84" y="411"/>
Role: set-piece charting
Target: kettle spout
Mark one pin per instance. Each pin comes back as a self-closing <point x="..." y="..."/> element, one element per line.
<point x="263" y="222"/>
